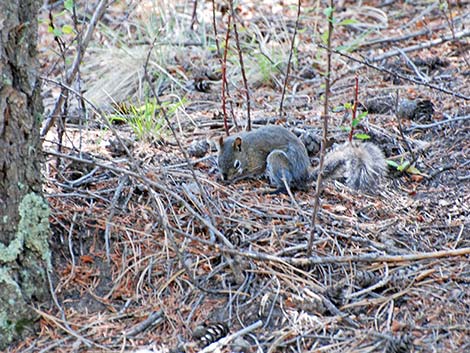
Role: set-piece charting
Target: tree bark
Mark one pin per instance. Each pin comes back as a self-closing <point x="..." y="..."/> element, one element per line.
<point x="24" y="227"/>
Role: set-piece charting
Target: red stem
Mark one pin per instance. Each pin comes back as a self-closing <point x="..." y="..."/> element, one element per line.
<point x="354" y="108"/>
<point x="224" y="76"/>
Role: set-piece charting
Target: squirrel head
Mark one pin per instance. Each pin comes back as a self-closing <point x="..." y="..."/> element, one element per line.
<point x="232" y="159"/>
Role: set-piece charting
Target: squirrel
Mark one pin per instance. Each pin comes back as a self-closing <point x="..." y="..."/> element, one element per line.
<point x="278" y="153"/>
<point x="362" y="165"/>
<point x="272" y="150"/>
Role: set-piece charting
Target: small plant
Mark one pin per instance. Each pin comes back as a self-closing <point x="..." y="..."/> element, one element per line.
<point x="65" y="29"/>
<point x="147" y="120"/>
<point x="355" y="118"/>
<point x="404" y="167"/>
<point x="262" y="69"/>
<point x="355" y="121"/>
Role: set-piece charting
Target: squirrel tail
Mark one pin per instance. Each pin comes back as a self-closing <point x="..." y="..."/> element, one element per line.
<point x="361" y="165"/>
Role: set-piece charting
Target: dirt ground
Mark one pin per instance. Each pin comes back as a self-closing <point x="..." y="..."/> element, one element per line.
<point x="139" y="261"/>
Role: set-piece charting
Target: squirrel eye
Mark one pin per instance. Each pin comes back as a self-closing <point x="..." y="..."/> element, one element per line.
<point x="237" y="164"/>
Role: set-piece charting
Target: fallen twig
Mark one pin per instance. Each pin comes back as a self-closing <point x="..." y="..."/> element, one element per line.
<point x="154" y="318"/>
<point x="151" y="183"/>
<point x="422" y="32"/>
<point x="437" y="123"/>
<point x="390" y="72"/>
<point x="422" y="45"/>
<point x="316" y="260"/>
<point x="109" y="224"/>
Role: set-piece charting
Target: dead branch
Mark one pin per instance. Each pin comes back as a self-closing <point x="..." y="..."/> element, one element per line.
<point x="421" y="32"/>
<point x="390" y="72"/>
<point x="324" y="141"/>
<point x="153" y="319"/>
<point x="152" y="183"/>
<point x="224" y="77"/>
<point x="70" y="76"/>
<point x="437" y="123"/>
<point x="423" y="45"/>
<point x="373" y="257"/>
<point x="242" y="66"/>
<point x="289" y="60"/>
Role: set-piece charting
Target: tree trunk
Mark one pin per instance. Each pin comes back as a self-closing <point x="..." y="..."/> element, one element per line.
<point x="24" y="227"/>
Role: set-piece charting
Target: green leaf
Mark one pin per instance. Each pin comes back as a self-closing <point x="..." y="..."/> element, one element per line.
<point x="403" y="166"/>
<point x="348" y="21"/>
<point x="67" y="29"/>
<point x="328" y="12"/>
<point x="324" y="37"/>
<point x="348" y="105"/>
<point x="55" y="31"/>
<point x="345" y="128"/>
<point x="363" y="115"/>
<point x="413" y="170"/>
<point x="116" y="118"/>
<point x="68" y="4"/>
<point x="355" y="122"/>
<point x="393" y="164"/>
<point x="362" y="136"/>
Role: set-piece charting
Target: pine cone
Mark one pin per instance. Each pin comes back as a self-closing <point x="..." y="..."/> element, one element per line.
<point x="418" y="110"/>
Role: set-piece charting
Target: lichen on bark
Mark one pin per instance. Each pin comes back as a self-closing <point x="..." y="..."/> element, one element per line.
<point x="29" y="245"/>
<point x="24" y="252"/>
<point x="33" y="230"/>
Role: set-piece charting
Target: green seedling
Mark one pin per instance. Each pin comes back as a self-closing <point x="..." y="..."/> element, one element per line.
<point x="355" y="122"/>
<point x="404" y="167"/>
<point x="147" y="120"/>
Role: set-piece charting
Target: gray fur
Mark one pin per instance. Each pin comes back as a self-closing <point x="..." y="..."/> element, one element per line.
<point x="272" y="150"/>
<point x="362" y="165"/>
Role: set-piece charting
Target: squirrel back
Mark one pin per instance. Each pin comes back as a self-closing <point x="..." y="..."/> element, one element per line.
<point x="362" y="165"/>
<point x="273" y="150"/>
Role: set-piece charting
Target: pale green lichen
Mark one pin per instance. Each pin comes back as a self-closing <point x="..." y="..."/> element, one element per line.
<point x="12" y="292"/>
<point x="6" y="279"/>
<point x="6" y="328"/>
<point x="31" y="240"/>
<point x="33" y="230"/>
<point x="10" y="253"/>
<point x="34" y="223"/>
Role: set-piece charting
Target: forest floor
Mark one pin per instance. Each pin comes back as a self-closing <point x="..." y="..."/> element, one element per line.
<point x="136" y="232"/>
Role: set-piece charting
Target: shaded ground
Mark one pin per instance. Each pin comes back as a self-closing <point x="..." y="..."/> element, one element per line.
<point x="133" y="238"/>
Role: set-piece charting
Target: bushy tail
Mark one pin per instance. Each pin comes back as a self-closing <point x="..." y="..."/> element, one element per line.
<point x="361" y="165"/>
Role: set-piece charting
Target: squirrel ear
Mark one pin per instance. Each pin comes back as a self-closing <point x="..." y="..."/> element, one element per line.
<point x="237" y="144"/>
<point x="220" y="143"/>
